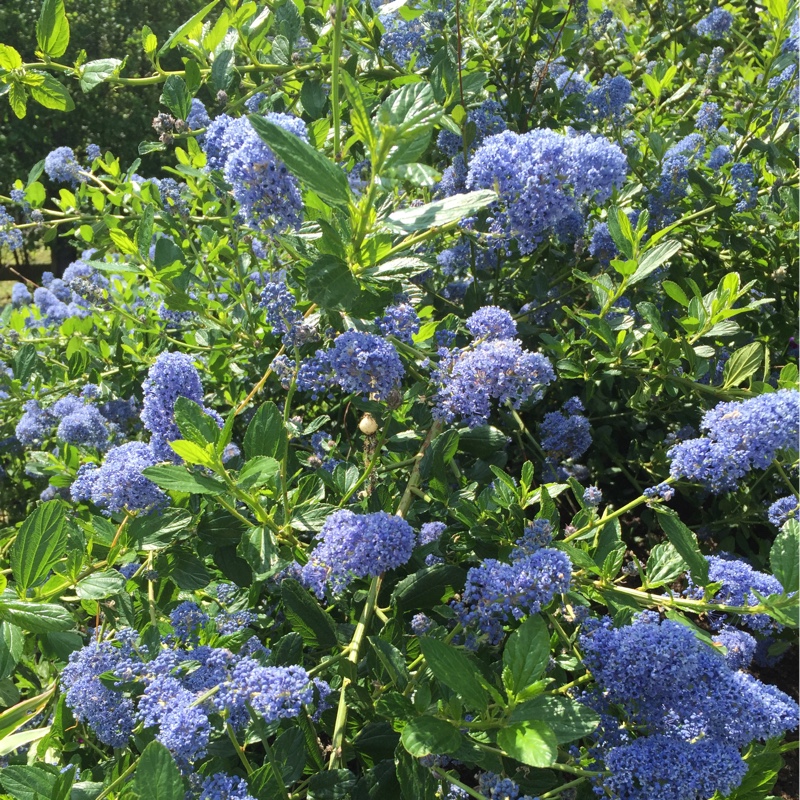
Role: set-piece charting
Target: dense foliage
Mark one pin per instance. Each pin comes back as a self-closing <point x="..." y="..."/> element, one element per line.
<point x="428" y="428"/>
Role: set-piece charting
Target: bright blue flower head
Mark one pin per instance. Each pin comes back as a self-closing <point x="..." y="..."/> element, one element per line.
<point x="784" y="509"/>
<point x="356" y="545"/>
<point x="400" y="321"/>
<point x="716" y="24"/>
<point x="491" y="322"/>
<point x="61" y="166"/>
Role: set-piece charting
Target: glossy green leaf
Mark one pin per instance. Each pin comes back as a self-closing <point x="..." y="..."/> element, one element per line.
<point x="526" y="653"/>
<point x="36" y="617"/>
<point x="40" y="543"/>
<point x="157" y="775"/>
<point x="533" y="743"/>
<point x="440" y="213"/>
<point x="742" y="365"/>
<point x="784" y="557"/>
<point x="96" y="72"/>
<point x="52" y="29"/>
<point x="685" y="542"/>
<point x="265" y="435"/>
<point x="179" y="479"/>
<point x="425" y="736"/>
<point x="306" y="617"/>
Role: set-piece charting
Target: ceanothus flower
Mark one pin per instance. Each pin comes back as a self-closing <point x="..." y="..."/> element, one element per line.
<point x="741" y="646"/>
<point x="35" y="425"/>
<point x="61" y="166"/>
<point x="172" y="375"/>
<point x="359" y="363"/>
<point x="496" y="591"/>
<point x="491" y="322"/>
<point x="85" y="426"/>
<point x="400" y="320"/>
<point x="544" y="179"/>
<point x="356" y="546"/>
<point x="10" y="235"/>
<point x="740" y="436"/>
<point x="716" y="24"/>
<point x="268" y="194"/>
<point x="566" y="434"/>
<point x="198" y="116"/>
<point x="663" y="768"/>
<point x="499" y="369"/>
<point x="708" y="118"/>
<point x="220" y="786"/>
<point x="20" y="295"/>
<point x="784" y="509"/>
<point x="743" y="178"/>
<point x="118" y="484"/>
<point x="609" y="99"/>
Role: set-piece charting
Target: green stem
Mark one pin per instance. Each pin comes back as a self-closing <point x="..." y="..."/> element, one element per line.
<point x="370" y="467"/>
<point x="239" y="750"/>
<point x="414" y="478"/>
<point x="337" y="741"/>
<point x="782" y="473"/>
<point x="116" y="782"/>
<point x="561" y="789"/>
<point x="336" y="58"/>
<point x="450" y="779"/>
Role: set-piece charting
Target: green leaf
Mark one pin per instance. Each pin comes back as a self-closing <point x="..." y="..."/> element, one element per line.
<point x="455" y="670"/>
<point x="192" y="453"/>
<point x="177" y="36"/>
<point x="258" y="471"/>
<point x="440" y="213"/>
<point x="784" y="557"/>
<point x="193" y="422"/>
<point x="623" y="239"/>
<point x="36" y="617"/>
<point x="222" y="73"/>
<point x="28" y="782"/>
<point x="416" y="782"/>
<point x="526" y="654"/>
<point x="258" y="549"/>
<point x="426" y="736"/>
<point x="24" y="362"/>
<point x="18" y="99"/>
<point x="16" y="740"/>
<point x="664" y="565"/>
<point x="40" y="543"/>
<point x="330" y="283"/>
<point x="265" y="435"/>
<point x="742" y="364"/>
<point x="533" y="743"/>
<point x="654" y="258"/>
<point x="331" y="785"/>
<point x="9" y="57"/>
<point x="568" y="719"/>
<point x="685" y="542"/>
<point x="359" y="119"/>
<point x="411" y="109"/>
<point x="157" y="531"/>
<point x="101" y="585"/>
<point x="179" y="479"/>
<point x="175" y="96"/>
<point x="157" y="775"/>
<point x="675" y="292"/>
<point x="96" y="72"/>
<point x="52" y="29"/>
<point x="306" y="617"/>
<point x="428" y="586"/>
<point x="11" y="642"/>
<point x="319" y="173"/>
<point x="392" y="660"/>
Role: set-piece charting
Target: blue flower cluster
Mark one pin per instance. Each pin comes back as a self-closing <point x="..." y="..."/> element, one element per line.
<point x="281" y="310"/>
<point x="406" y="40"/>
<point x="198" y="116"/>
<point x="220" y="786"/>
<point x="662" y="768"/>
<point x="592" y="496"/>
<point x="566" y="434"/>
<point x="429" y="533"/>
<point x="495" y="591"/>
<point x="496" y="787"/>
<point x="491" y="369"/>
<point x="483" y="121"/>
<point x="743" y="178"/>
<point x="10" y="236"/>
<point x="537" y="535"/>
<point x="118" y="485"/>
<point x="669" y="682"/>
<point x="400" y="320"/>
<point x="491" y="322"/>
<point x="738" y="579"/>
<point x="740" y="436"/>
<point x="359" y="363"/>
<point x="356" y="546"/>
<point x="62" y="166"/>
<point x="164" y="690"/>
<point x="740" y="646"/>
<point x="674" y="182"/>
<point x="544" y="179"/>
<point x="716" y="25"/>
<point x="662" y="491"/>
<point x="172" y="375"/>
<point x="609" y="99"/>
<point x="784" y="509"/>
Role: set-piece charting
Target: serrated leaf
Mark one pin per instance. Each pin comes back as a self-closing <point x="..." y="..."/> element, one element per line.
<point x="101" y="585"/>
<point x="36" y="617"/>
<point x="426" y="736"/>
<point x="11" y="642"/>
<point x="52" y="29"/>
<point x="257" y="547"/>
<point x="258" y="471"/>
<point x="455" y="670"/>
<point x="428" y="586"/>
<point x="40" y="543"/>
<point x="182" y="31"/>
<point x="742" y="364"/>
<point x="567" y="718"/>
<point x="265" y="435"/>
<point x="9" y="57"/>
<point x="179" y="479"/>
<point x="675" y="292"/>
<point x="527" y="653"/>
<point x="96" y="72"/>
<point x="654" y="258"/>
<point x="319" y="173"/>
<point x="18" y="99"/>
<point x="157" y="774"/>
<point x="175" y="96"/>
<point x="330" y="284"/>
<point x="306" y="617"/>
<point x="440" y="213"/>
<point x="784" y="556"/>
<point x="664" y="565"/>
<point x="531" y="742"/>
<point x="685" y="542"/>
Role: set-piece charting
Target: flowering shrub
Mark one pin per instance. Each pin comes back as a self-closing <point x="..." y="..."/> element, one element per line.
<point x="427" y="429"/>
